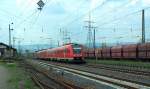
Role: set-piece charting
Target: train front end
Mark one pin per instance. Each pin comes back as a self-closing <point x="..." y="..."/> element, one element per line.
<point x="78" y="53"/>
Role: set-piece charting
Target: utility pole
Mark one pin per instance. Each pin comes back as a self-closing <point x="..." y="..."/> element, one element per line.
<point x="10" y="35"/>
<point x="19" y="42"/>
<point x="19" y="45"/>
<point x="61" y="35"/>
<point x="10" y="40"/>
<point x="14" y="39"/>
<point x="58" y="43"/>
<point x="89" y="36"/>
<point x="94" y="42"/>
<point x="91" y="41"/>
<point x="50" y="42"/>
<point x="143" y="26"/>
<point x="19" y="48"/>
<point x="65" y="36"/>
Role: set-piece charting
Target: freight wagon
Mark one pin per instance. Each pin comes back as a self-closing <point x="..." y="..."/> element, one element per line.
<point x="130" y="51"/>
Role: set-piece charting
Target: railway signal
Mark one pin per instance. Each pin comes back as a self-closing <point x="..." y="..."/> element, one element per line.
<point x="40" y="4"/>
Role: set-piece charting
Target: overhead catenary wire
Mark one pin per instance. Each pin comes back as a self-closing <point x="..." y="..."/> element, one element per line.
<point x="36" y="19"/>
<point x="112" y="10"/>
<point x="78" y="18"/>
<point x="71" y="22"/>
<point x="122" y="17"/>
<point x="77" y="8"/>
<point x="104" y="16"/>
<point x="125" y="16"/>
<point x="119" y="7"/>
<point x="30" y="16"/>
<point x="22" y="20"/>
<point x="11" y="14"/>
<point x="7" y="14"/>
<point x="119" y="18"/>
<point x="25" y="8"/>
<point x="33" y="21"/>
<point x="26" y="19"/>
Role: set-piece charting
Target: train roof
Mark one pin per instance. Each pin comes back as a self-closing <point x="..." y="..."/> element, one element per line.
<point x="71" y="44"/>
<point x="60" y="47"/>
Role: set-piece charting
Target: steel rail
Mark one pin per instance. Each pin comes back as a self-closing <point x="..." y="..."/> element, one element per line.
<point x="125" y="70"/>
<point x="125" y="83"/>
<point x="42" y="85"/>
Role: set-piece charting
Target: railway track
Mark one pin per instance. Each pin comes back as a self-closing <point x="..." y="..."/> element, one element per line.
<point x="46" y="81"/>
<point x="123" y="69"/>
<point x="116" y="81"/>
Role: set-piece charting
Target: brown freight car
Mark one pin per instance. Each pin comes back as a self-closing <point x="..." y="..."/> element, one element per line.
<point x="106" y="52"/>
<point x="99" y="52"/>
<point x="142" y="51"/>
<point x="116" y="52"/>
<point x="130" y="51"/>
<point x="148" y="50"/>
<point x="85" y="53"/>
<point x="91" y="53"/>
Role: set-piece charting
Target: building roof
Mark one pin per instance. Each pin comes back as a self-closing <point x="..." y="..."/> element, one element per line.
<point x="7" y="46"/>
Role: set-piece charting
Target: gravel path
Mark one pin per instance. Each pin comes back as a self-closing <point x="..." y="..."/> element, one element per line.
<point x="4" y="77"/>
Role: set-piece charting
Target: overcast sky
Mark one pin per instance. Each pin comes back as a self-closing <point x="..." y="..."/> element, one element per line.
<point x="116" y="20"/>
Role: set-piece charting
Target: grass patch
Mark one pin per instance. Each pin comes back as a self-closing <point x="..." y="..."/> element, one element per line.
<point x="121" y="63"/>
<point x="19" y="78"/>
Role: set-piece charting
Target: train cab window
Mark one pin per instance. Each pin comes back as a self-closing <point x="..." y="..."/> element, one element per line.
<point x="76" y="49"/>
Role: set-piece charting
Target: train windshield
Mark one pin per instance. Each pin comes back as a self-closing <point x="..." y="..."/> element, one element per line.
<point x="76" y="49"/>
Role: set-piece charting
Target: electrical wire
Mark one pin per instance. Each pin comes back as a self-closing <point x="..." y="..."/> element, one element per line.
<point x="26" y="19"/>
<point x="119" y="18"/>
<point x="76" y="19"/>
<point x="104" y="16"/>
<point x="30" y="16"/>
<point x="79" y="6"/>
<point x="36" y="19"/>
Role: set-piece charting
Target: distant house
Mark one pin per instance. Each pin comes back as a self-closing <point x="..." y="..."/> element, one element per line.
<point x="5" y="51"/>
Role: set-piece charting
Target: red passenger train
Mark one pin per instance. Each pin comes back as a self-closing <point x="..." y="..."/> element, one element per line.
<point x="70" y="52"/>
